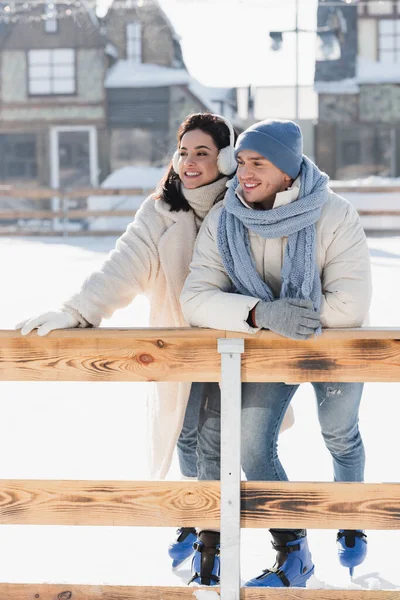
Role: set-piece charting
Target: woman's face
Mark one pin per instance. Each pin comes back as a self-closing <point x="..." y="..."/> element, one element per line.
<point x="197" y="159"/>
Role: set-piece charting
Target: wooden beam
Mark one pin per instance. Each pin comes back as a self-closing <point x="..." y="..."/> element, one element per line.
<point x="23" y="232"/>
<point x="320" y="505"/>
<point x="104" y="592"/>
<point x="366" y="189"/>
<point x="191" y="355"/>
<point x="111" y="355"/>
<point x="9" y="191"/>
<point x="379" y="213"/>
<point x="172" y="503"/>
<point x="70" y="214"/>
<point x="38" y="193"/>
<point x="64" y="591"/>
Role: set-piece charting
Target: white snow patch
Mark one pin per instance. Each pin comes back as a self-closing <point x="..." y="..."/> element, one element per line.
<point x="206" y="595"/>
<point x="370" y="71"/>
<point x="367" y="72"/>
<point x="59" y="438"/>
<point x="373" y="583"/>
<point x="344" y="86"/>
<point x="317" y="584"/>
<point x="372" y="181"/>
<point x="127" y="74"/>
<point x="145" y="178"/>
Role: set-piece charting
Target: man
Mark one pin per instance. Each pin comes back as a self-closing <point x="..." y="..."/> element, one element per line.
<point x="283" y="253"/>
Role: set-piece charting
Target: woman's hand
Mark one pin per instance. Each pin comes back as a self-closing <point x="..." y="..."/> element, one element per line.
<point x="59" y="319"/>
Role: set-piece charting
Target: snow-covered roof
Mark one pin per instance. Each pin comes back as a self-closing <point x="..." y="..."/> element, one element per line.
<point x="367" y="71"/>
<point x="127" y="74"/>
<point x="211" y="97"/>
<point x="345" y="86"/>
<point x="134" y="177"/>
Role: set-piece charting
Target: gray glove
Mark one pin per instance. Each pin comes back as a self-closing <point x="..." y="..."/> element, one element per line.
<point x="291" y="317"/>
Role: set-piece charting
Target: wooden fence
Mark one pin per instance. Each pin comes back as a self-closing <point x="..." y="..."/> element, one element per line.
<point x="193" y="355"/>
<point x="59" y="219"/>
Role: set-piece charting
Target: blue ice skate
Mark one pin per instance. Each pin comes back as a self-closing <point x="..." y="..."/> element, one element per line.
<point x="352" y="548"/>
<point x="293" y="564"/>
<point x="205" y="563"/>
<point x="181" y="548"/>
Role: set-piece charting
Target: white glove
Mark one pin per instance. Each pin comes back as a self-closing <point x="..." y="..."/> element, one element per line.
<point x="59" y="319"/>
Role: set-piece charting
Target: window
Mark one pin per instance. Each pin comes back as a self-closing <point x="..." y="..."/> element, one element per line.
<point x="134" y="42"/>
<point x="18" y="156"/>
<point x="389" y="40"/>
<point x="351" y="152"/>
<point x="51" y="72"/>
<point x="50" y="13"/>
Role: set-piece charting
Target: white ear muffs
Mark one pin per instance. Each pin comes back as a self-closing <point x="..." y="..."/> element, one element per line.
<point x="226" y="160"/>
<point x="175" y="161"/>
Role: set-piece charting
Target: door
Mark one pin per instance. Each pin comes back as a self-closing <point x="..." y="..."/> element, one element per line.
<point x="73" y="163"/>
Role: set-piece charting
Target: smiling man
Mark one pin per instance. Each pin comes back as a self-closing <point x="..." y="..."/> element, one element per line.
<point x="283" y="253"/>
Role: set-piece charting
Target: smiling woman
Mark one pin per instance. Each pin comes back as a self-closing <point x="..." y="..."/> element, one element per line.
<point x="197" y="164"/>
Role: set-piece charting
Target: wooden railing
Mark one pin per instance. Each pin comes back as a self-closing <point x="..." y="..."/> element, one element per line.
<point x="59" y="219"/>
<point x="194" y="355"/>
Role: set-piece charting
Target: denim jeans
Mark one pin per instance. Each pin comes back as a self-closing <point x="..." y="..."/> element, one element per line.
<point x="187" y="441"/>
<point x="263" y="408"/>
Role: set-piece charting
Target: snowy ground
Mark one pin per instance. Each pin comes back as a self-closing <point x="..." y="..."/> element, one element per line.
<point x="95" y="431"/>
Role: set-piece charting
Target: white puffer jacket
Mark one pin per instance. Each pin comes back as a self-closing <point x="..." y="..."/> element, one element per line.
<point x="342" y="257"/>
<point x="151" y="258"/>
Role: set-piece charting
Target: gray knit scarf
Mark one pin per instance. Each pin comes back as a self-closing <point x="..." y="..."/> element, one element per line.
<point x="300" y="277"/>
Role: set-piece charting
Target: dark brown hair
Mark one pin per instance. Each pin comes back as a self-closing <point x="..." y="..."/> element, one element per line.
<point x="168" y="188"/>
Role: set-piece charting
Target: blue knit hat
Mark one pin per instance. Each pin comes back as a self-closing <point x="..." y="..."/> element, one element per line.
<point x="281" y="142"/>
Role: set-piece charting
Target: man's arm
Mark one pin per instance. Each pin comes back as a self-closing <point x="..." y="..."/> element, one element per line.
<point x="346" y="276"/>
<point x="207" y="298"/>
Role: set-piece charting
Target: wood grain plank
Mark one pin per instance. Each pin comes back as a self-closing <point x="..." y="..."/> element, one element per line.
<point x="170" y="503"/>
<point x="111" y="355"/>
<point x="109" y="503"/>
<point x="320" y="505"/>
<point x="14" y="591"/>
<point x="323" y="359"/>
<point x="190" y="354"/>
<point x="70" y="214"/>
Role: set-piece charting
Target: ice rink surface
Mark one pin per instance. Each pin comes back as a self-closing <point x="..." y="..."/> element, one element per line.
<point x="96" y="431"/>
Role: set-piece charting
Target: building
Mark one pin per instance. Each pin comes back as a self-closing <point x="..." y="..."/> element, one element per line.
<point x="149" y="90"/>
<point x="80" y="97"/>
<point x="52" y="100"/>
<point x="358" y="132"/>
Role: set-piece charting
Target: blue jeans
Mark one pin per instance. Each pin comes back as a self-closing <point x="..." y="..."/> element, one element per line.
<point x="263" y="409"/>
<point x="187" y="441"/>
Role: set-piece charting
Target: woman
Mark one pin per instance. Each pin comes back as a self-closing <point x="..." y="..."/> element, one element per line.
<point x="152" y="258"/>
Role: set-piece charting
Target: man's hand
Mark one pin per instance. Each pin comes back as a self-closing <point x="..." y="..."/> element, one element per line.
<point x="291" y="317"/>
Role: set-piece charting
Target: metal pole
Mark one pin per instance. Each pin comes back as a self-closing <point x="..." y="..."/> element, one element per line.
<point x="297" y="60"/>
<point x="231" y="406"/>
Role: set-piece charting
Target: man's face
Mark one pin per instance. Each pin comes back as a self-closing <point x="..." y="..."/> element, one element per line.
<point x="259" y="178"/>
